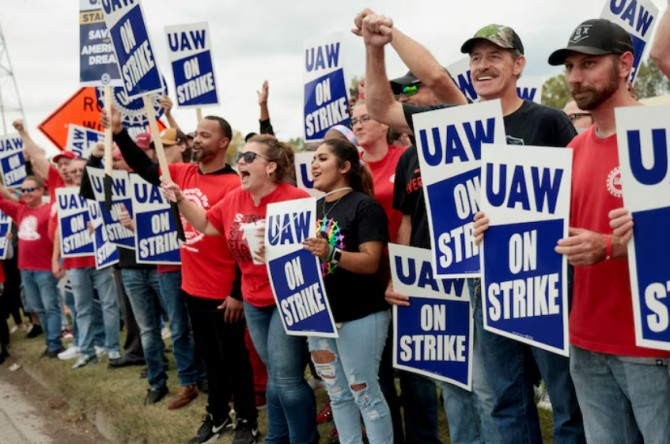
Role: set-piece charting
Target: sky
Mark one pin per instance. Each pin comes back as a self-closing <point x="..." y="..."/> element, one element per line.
<point x="257" y="40"/>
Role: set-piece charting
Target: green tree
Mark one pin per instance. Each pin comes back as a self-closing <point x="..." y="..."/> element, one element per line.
<point x="555" y="92"/>
<point x="650" y="81"/>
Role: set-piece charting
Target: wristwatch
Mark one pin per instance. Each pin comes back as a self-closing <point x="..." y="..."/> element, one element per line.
<point x="337" y="255"/>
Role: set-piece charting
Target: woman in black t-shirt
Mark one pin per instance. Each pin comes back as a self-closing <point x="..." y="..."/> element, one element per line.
<point x="352" y="232"/>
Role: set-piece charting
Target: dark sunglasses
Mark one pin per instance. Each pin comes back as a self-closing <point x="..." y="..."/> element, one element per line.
<point x="249" y="157"/>
<point x="576" y="116"/>
<point x="410" y="90"/>
<point x="28" y="190"/>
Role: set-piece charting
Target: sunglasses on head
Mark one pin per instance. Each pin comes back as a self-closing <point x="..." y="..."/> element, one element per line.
<point x="28" y="190"/>
<point x="249" y="157"/>
<point x="410" y="90"/>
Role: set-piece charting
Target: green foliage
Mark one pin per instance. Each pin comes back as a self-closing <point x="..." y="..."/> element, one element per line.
<point x="650" y="81"/>
<point x="555" y="92"/>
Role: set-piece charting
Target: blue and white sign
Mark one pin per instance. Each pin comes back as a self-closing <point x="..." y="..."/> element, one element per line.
<point x="81" y="140"/>
<point x="449" y="146"/>
<point x="190" y="53"/>
<point x="134" y="53"/>
<point x="121" y="196"/>
<point x="526" y="196"/>
<point x="12" y="162"/>
<point x="638" y="18"/>
<point x="643" y="135"/>
<point x="434" y="335"/>
<point x="326" y="100"/>
<point x="294" y="272"/>
<point x="527" y="87"/>
<point x="303" y="173"/>
<point x="73" y="219"/>
<point x="155" y="228"/>
<point x="5" y="227"/>
<point x="97" y="61"/>
<point x="106" y="253"/>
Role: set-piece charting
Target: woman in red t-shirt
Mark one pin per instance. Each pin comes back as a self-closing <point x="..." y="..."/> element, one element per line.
<point x="267" y="170"/>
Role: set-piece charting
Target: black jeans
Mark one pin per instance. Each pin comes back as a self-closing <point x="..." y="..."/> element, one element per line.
<point x="226" y="357"/>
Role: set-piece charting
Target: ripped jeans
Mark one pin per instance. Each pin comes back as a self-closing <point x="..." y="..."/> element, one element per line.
<point x="349" y="366"/>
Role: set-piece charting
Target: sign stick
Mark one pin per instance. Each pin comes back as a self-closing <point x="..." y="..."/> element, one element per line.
<point x="198" y="114"/>
<point x="107" y="183"/>
<point x="162" y="161"/>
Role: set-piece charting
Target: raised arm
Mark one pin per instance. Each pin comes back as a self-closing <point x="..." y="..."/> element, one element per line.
<point x="264" y="120"/>
<point x="194" y="214"/>
<point x="166" y="104"/>
<point x="37" y="155"/>
<point x="382" y="105"/>
<point x="427" y="69"/>
<point x="660" y="48"/>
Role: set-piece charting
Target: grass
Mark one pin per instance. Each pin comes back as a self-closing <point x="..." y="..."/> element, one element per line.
<point x="113" y="399"/>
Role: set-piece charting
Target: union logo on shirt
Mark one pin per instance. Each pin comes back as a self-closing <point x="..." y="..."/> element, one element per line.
<point x="28" y="229"/>
<point x="192" y="235"/>
<point x="614" y="183"/>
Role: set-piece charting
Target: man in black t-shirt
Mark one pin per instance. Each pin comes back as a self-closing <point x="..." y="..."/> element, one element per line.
<point x="496" y="62"/>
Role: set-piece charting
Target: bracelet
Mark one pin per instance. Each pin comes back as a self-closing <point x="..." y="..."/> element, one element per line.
<point x="331" y="250"/>
<point x="608" y="246"/>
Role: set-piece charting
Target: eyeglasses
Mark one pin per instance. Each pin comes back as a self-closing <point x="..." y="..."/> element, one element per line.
<point x="576" y="116"/>
<point x="28" y="190"/>
<point x="364" y="118"/>
<point x="410" y="90"/>
<point x="249" y="157"/>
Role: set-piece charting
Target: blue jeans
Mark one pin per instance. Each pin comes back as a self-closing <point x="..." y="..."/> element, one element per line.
<point x="42" y="296"/>
<point x="85" y="281"/>
<point x="623" y="401"/>
<point x="349" y="368"/>
<point x="68" y="300"/>
<point x="141" y="285"/>
<point x="291" y="407"/>
<point x="512" y="367"/>
<point x="183" y="346"/>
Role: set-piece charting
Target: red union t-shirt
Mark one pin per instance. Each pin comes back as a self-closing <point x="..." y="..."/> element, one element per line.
<point x="208" y="267"/>
<point x="35" y="245"/>
<point x="601" y="319"/>
<point x="239" y="208"/>
<point x="383" y="177"/>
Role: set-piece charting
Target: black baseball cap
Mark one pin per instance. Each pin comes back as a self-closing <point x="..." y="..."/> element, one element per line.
<point x="407" y="79"/>
<point x="594" y="37"/>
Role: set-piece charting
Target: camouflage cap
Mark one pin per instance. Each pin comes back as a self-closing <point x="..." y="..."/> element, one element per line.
<point x="500" y="35"/>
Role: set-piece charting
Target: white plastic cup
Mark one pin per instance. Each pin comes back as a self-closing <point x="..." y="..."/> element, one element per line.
<point x="251" y="232"/>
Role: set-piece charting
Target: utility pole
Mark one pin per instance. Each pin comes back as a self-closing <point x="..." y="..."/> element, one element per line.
<point x="10" y="101"/>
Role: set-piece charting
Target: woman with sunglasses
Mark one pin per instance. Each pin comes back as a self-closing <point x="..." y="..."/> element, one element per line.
<point x="266" y="168"/>
<point x="381" y="158"/>
<point x="353" y="231"/>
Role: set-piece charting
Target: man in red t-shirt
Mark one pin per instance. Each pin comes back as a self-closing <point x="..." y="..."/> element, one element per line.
<point x="623" y="389"/>
<point x="213" y="294"/>
<point x="35" y="248"/>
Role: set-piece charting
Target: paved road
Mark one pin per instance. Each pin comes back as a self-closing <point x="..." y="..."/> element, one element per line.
<point x="30" y="414"/>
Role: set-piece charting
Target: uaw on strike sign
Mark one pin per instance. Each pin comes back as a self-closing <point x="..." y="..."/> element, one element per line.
<point x="643" y="135"/>
<point x="526" y="196"/>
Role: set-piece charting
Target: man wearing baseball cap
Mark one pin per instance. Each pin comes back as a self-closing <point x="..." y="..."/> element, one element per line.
<point x="623" y="389"/>
<point x="496" y="62"/>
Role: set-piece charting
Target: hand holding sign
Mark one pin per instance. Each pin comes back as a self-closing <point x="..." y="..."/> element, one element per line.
<point x="394" y="298"/>
<point x="621" y="222"/>
<point x="583" y="247"/>
<point x="125" y="219"/>
<point x="480" y="227"/>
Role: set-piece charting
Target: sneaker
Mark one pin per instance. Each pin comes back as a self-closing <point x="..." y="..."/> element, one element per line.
<point x="124" y="362"/>
<point x="154" y="395"/>
<point x="34" y="332"/>
<point x="210" y="430"/>
<point x="66" y="335"/>
<point x="245" y="432"/>
<point x="114" y="355"/>
<point x="544" y="403"/>
<point x="166" y="333"/>
<point x="100" y="351"/>
<point x="53" y="354"/>
<point x="71" y="353"/>
<point x="84" y="360"/>
<point x="325" y="414"/>
<point x="185" y="395"/>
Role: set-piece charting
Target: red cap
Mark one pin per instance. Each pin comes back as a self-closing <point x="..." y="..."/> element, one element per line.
<point x="63" y="155"/>
<point x="143" y="140"/>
